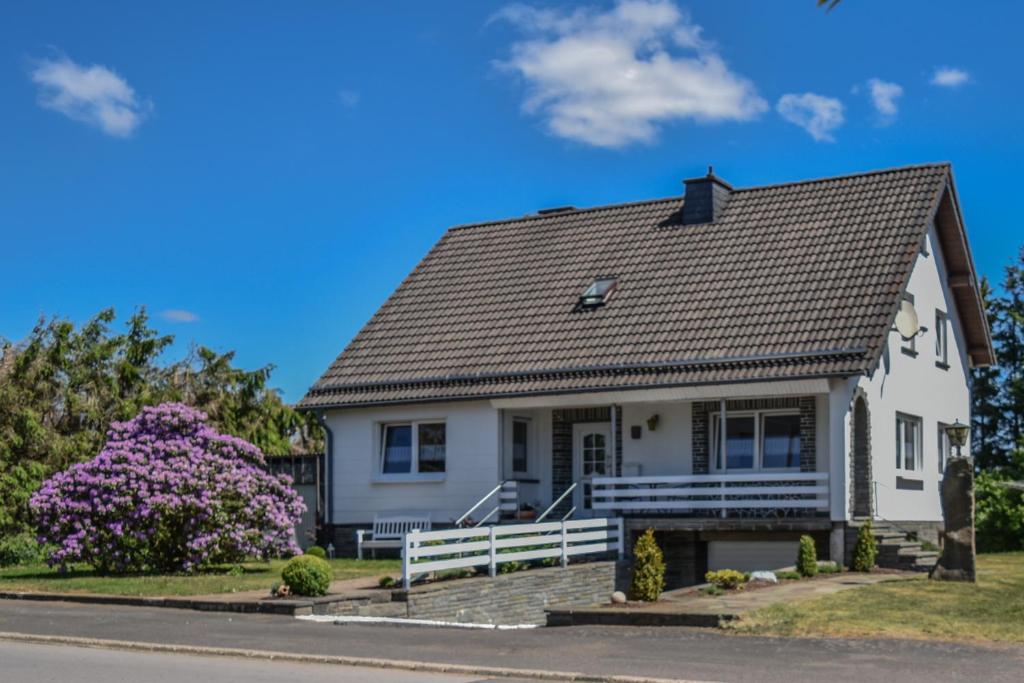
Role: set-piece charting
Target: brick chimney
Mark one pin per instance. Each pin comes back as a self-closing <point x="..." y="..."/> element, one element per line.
<point x="705" y="198"/>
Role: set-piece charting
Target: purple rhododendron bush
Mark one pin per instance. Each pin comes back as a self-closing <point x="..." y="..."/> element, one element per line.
<point x="167" y="493"/>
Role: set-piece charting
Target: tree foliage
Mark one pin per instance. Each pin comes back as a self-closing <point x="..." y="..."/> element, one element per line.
<point x="63" y="386"/>
<point x="998" y="393"/>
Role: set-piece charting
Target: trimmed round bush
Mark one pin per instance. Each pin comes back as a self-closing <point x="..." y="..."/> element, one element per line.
<point x="726" y="578"/>
<point x="307" y="575"/>
<point x="316" y="551"/>
<point x="167" y="493"/>
<point x="648" y="569"/>
<point x="807" y="558"/>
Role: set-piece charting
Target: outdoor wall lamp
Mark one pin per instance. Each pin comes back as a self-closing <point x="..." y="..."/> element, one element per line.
<point x="652" y="422"/>
<point x="957" y="433"/>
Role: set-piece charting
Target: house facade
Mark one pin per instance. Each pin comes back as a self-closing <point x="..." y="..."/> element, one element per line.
<point x="721" y="366"/>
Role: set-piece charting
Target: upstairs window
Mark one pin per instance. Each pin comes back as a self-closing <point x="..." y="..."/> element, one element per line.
<point x="941" y="339"/>
<point x="413" y="448"/>
<point x="908" y="442"/>
<point x="598" y="293"/>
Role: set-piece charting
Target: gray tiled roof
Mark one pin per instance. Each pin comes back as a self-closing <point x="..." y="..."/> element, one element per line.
<point x="794" y="280"/>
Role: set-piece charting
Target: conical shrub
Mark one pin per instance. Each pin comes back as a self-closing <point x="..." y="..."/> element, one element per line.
<point x="807" y="558"/>
<point x="866" y="550"/>
<point x="648" y="569"/>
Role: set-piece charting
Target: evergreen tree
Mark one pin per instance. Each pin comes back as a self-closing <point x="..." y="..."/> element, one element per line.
<point x="986" y="411"/>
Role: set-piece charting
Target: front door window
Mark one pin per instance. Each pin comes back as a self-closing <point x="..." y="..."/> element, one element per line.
<point x="593" y="459"/>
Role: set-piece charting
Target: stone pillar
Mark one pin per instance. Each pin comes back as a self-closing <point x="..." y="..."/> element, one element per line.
<point x="958" y="555"/>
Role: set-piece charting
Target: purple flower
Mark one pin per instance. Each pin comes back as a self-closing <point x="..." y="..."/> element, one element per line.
<point x="167" y="492"/>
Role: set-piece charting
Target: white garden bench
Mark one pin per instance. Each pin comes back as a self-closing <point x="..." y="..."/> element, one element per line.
<point x="388" y="532"/>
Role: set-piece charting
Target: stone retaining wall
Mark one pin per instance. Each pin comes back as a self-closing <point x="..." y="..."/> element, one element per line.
<point x="517" y="598"/>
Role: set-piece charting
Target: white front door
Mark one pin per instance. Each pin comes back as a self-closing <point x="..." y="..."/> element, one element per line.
<point x="592" y="457"/>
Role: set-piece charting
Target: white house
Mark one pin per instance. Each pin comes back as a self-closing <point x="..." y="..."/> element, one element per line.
<point x="603" y="351"/>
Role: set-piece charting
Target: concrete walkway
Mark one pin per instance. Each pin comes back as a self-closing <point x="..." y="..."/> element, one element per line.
<point x="690" y="607"/>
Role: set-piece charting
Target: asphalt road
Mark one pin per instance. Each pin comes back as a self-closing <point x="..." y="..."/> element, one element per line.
<point x="25" y="663"/>
<point x="657" y="652"/>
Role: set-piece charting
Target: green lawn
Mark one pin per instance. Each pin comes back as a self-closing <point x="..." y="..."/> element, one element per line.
<point x="992" y="609"/>
<point x="253" y="576"/>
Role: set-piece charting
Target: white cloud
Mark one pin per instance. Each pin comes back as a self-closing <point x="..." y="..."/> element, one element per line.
<point x="177" y="315"/>
<point x="884" y="96"/>
<point x="608" y="78"/>
<point x="817" y="114"/>
<point x="90" y="94"/>
<point x="949" y="77"/>
<point x="349" y="98"/>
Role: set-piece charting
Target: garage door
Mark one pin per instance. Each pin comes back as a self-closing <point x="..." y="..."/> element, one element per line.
<point x="749" y="556"/>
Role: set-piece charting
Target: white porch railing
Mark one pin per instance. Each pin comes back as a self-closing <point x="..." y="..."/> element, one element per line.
<point x="790" y="493"/>
<point x="429" y="551"/>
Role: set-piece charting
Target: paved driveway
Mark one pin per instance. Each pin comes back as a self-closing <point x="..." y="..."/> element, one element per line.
<point x="659" y="652"/>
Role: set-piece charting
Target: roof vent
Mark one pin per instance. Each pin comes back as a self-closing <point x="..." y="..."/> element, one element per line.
<point x="705" y="198"/>
<point x="598" y="293"/>
<point x="557" y="209"/>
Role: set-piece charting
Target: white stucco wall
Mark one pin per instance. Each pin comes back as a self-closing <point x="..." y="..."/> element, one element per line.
<point x="666" y="450"/>
<point x="915" y="386"/>
<point x="472" y="462"/>
<point x="535" y="485"/>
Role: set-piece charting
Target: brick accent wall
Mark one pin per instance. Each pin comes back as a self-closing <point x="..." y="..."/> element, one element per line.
<point x="860" y="467"/>
<point x="561" y="446"/>
<point x="702" y="427"/>
<point x="517" y="598"/>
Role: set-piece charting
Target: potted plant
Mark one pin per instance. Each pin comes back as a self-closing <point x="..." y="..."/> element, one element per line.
<point x="527" y="511"/>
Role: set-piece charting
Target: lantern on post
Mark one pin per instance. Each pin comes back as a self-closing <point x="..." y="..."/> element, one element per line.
<point x="957" y="433"/>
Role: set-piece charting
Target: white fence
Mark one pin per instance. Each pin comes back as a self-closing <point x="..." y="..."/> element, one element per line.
<point x="790" y="491"/>
<point x="430" y="551"/>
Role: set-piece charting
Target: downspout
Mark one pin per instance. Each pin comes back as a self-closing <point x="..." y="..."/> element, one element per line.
<point x="328" y="467"/>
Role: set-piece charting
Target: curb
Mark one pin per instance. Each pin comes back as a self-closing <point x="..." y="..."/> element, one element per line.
<point x="289" y="608"/>
<point x="369" y="662"/>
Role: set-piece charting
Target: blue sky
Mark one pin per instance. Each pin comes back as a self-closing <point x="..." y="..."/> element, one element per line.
<point x="261" y="175"/>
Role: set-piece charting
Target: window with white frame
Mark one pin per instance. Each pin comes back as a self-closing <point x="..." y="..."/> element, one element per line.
<point x="944" y="446"/>
<point x="941" y="339"/>
<point x="413" y="448"/>
<point x="520" y="446"/>
<point x="908" y="442"/>
<point x="761" y="440"/>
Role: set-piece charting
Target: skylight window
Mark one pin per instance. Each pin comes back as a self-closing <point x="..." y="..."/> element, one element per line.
<point x="599" y="292"/>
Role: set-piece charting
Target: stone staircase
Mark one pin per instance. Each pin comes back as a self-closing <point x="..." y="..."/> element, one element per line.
<point x="896" y="549"/>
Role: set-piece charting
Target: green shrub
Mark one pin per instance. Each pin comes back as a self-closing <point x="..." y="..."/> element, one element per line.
<point x="307" y="575"/>
<point x="725" y="578"/>
<point x="316" y="551"/>
<point x="807" y="557"/>
<point x="513" y="566"/>
<point x="19" y="549"/>
<point x="386" y="581"/>
<point x="999" y="513"/>
<point x="866" y="550"/>
<point x="830" y="568"/>
<point x="787" y="575"/>
<point x="712" y="590"/>
<point x="648" y="569"/>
